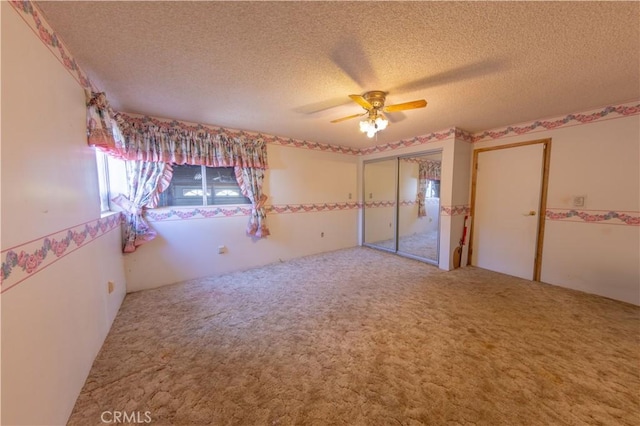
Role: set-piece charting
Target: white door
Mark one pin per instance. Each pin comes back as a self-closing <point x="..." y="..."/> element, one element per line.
<point x="505" y="226"/>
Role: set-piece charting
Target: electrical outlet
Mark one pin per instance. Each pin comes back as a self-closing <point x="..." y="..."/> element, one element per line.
<point x="110" y="286"/>
<point x="579" y="200"/>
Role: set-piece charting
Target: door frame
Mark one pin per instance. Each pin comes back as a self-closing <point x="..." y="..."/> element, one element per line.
<point x="542" y="207"/>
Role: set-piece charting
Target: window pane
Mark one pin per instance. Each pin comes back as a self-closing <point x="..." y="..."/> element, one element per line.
<point x="225" y="190"/>
<point x="227" y="193"/>
<point x="103" y="181"/>
<point x="186" y="188"/>
<point x="433" y="189"/>
<point x="186" y="192"/>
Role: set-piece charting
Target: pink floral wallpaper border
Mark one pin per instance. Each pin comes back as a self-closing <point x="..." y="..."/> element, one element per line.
<point x="608" y="112"/>
<point x="231" y="211"/>
<point x="455" y="210"/>
<point x="406" y="143"/>
<point x="196" y="213"/>
<point x="376" y="204"/>
<point x="306" y="208"/>
<point x="32" y="16"/>
<point x="23" y="261"/>
<point x="608" y="217"/>
<point x="316" y="146"/>
<point x="427" y="201"/>
<point x="186" y="213"/>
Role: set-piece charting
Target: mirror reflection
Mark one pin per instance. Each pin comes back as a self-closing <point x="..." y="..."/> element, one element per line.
<point x="419" y="205"/>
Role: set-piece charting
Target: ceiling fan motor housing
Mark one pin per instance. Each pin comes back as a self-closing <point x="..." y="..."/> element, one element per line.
<point x="375" y="98"/>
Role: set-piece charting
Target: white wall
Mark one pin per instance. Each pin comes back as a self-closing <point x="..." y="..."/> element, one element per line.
<point x="55" y="317"/>
<point x="188" y="248"/>
<point x="461" y="196"/>
<point x="447" y="231"/>
<point x="600" y="160"/>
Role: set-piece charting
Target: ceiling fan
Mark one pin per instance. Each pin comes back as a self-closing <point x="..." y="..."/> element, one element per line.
<point x="373" y="103"/>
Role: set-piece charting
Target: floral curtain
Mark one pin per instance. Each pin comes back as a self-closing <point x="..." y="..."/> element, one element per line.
<point x="150" y="146"/>
<point x="422" y="189"/>
<point x="146" y="139"/>
<point x="172" y="143"/>
<point x="427" y="170"/>
<point x="250" y="180"/>
<point x="103" y="131"/>
<point x="146" y="180"/>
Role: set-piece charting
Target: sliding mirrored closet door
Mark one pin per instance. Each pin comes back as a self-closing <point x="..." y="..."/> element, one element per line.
<point x="380" y="203"/>
<point x="402" y="205"/>
<point x="419" y="206"/>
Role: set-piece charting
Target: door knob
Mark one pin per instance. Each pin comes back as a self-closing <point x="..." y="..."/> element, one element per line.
<point x="531" y="213"/>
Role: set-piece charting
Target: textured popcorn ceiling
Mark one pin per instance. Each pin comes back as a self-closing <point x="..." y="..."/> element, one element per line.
<point x="286" y="68"/>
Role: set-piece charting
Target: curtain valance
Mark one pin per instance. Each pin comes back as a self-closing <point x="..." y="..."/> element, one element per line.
<point x="149" y="142"/>
<point x="103" y="131"/>
<point x="140" y="140"/>
<point x="430" y="169"/>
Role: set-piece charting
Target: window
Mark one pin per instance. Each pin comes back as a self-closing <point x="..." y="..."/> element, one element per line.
<point x="112" y="179"/>
<point x="433" y="188"/>
<point x="103" y="180"/>
<point x="202" y="186"/>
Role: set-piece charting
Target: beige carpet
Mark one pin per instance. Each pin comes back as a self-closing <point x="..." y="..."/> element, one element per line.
<point x="363" y="337"/>
<point x="424" y="244"/>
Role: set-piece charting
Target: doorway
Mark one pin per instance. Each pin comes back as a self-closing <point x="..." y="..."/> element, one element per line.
<point x="508" y="203"/>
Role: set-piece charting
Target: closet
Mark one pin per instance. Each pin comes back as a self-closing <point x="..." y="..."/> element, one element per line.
<point x="401" y="205"/>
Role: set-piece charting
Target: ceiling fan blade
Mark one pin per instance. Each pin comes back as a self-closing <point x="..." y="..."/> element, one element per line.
<point x="406" y="105"/>
<point x="360" y="100"/>
<point x="347" y="118"/>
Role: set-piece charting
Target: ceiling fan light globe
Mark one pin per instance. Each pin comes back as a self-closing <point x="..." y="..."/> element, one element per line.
<point x="381" y="123"/>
